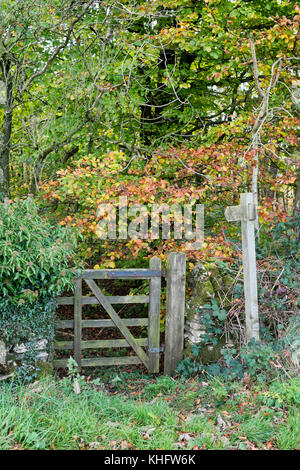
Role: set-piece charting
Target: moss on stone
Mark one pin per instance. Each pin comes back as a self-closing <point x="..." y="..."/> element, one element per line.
<point x="44" y="369"/>
<point x="214" y="276"/>
<point x="206" y="282"/>
<point x="204" y="291"/>
<point x="207" y="353"/>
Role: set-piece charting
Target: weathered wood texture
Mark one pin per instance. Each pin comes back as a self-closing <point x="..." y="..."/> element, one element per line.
<point x="246" y="214"/>
<point x="249" y="267"/>
<point x="103" y="323"/>
<point x="152" y="342"/>
<point x="100" y="344"/>
<point x="101" y="361"/>
<point x="120" y="274"/>
<point x="174" y="330"/>
<point x="176" y="268"/>
<point x="117" y="321"/>
<point x="154" y="317"/>
<point x="113" y="299"/>
<point x="77" y="321"/>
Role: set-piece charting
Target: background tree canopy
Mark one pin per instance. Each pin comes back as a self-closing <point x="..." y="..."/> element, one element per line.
<point x="173" y="100"/>
<point x="164" y="102"/>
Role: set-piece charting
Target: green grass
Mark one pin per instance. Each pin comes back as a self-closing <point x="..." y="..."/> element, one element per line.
<point x="288" y="433"/>
<point x="136" y="412"/>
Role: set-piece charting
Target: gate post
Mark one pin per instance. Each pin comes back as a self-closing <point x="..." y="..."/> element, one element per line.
<point x="174" y="328"/>
<point x="154" y="317"/>
<point x="77" y="321"/>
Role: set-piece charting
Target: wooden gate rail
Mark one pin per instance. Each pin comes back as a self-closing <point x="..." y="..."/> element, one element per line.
<point x="103" y="323"/>
<point x="174" y="330"/>
<point x="149" y="359"/>
<point x="113" y="299"/>
<point x="121" y="273"/>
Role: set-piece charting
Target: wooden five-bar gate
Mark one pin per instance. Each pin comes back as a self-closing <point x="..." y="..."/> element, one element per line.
<point x="147" y="350"/>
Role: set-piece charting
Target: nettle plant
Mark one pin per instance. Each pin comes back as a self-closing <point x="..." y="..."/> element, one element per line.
<point x="35" y="267"/>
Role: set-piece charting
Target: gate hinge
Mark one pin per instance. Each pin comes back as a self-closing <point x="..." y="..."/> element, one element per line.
<point x="156" y="350"/>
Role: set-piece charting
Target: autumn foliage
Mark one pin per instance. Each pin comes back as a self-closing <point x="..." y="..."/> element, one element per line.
<point x="212" y="175"/>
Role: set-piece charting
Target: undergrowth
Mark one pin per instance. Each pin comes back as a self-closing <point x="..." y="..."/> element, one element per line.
<point x="79" y="412"/>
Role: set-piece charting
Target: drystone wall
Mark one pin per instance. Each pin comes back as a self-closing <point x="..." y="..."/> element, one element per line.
<point x="206" y="283"/>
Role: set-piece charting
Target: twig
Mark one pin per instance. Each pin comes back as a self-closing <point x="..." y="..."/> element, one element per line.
<point x="277" y="280"/>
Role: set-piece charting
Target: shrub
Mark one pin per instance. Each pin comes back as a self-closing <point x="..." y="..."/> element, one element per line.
<point x="278" y="282"/>
<point x="34" y="268"/>
<point x="256" y="357"/>
<point x="282" y="394"/>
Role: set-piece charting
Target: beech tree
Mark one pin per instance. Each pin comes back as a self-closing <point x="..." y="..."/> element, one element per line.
<point x="93" y="77"/>
<point x="32" y="36"/>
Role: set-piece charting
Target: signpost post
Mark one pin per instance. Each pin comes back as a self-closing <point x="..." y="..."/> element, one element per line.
<point x="246" y="214"/>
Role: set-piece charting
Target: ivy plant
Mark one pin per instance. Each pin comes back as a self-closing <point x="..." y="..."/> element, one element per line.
<point x="35" y="267"/>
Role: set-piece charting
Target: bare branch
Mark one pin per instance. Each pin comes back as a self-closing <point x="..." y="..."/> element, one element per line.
<point x="59" y="48"/>
<point x="255" y="70"/>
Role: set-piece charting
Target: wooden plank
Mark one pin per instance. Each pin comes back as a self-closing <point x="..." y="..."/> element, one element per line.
<point x="117" y="321"/>
<point x="233" y="213"/>
<point x="101" y="361"/>
<point x="154" y="317"/>
<point x="102" y="323"/>
<point x="64" y="324"/>
<point x="111" y="361"/>
<point x="246" y="214"/>
<point x="63" y="345"/>
<point x="60" y="362"/>
<point x="119" y="274"/>
<point x="113" y="299"/>
<point x="174" y="330"/>
<point x="99" y="344"/>
<point x="249" y="266"/>
<point x="77" y="321"/>
<point x="66" y="300"/>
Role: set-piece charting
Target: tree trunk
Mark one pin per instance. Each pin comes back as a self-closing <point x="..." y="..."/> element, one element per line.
<point x="5" y="132"/>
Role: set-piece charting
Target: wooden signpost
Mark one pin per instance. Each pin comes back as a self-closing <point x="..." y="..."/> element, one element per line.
<point x="246" y="214"/>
